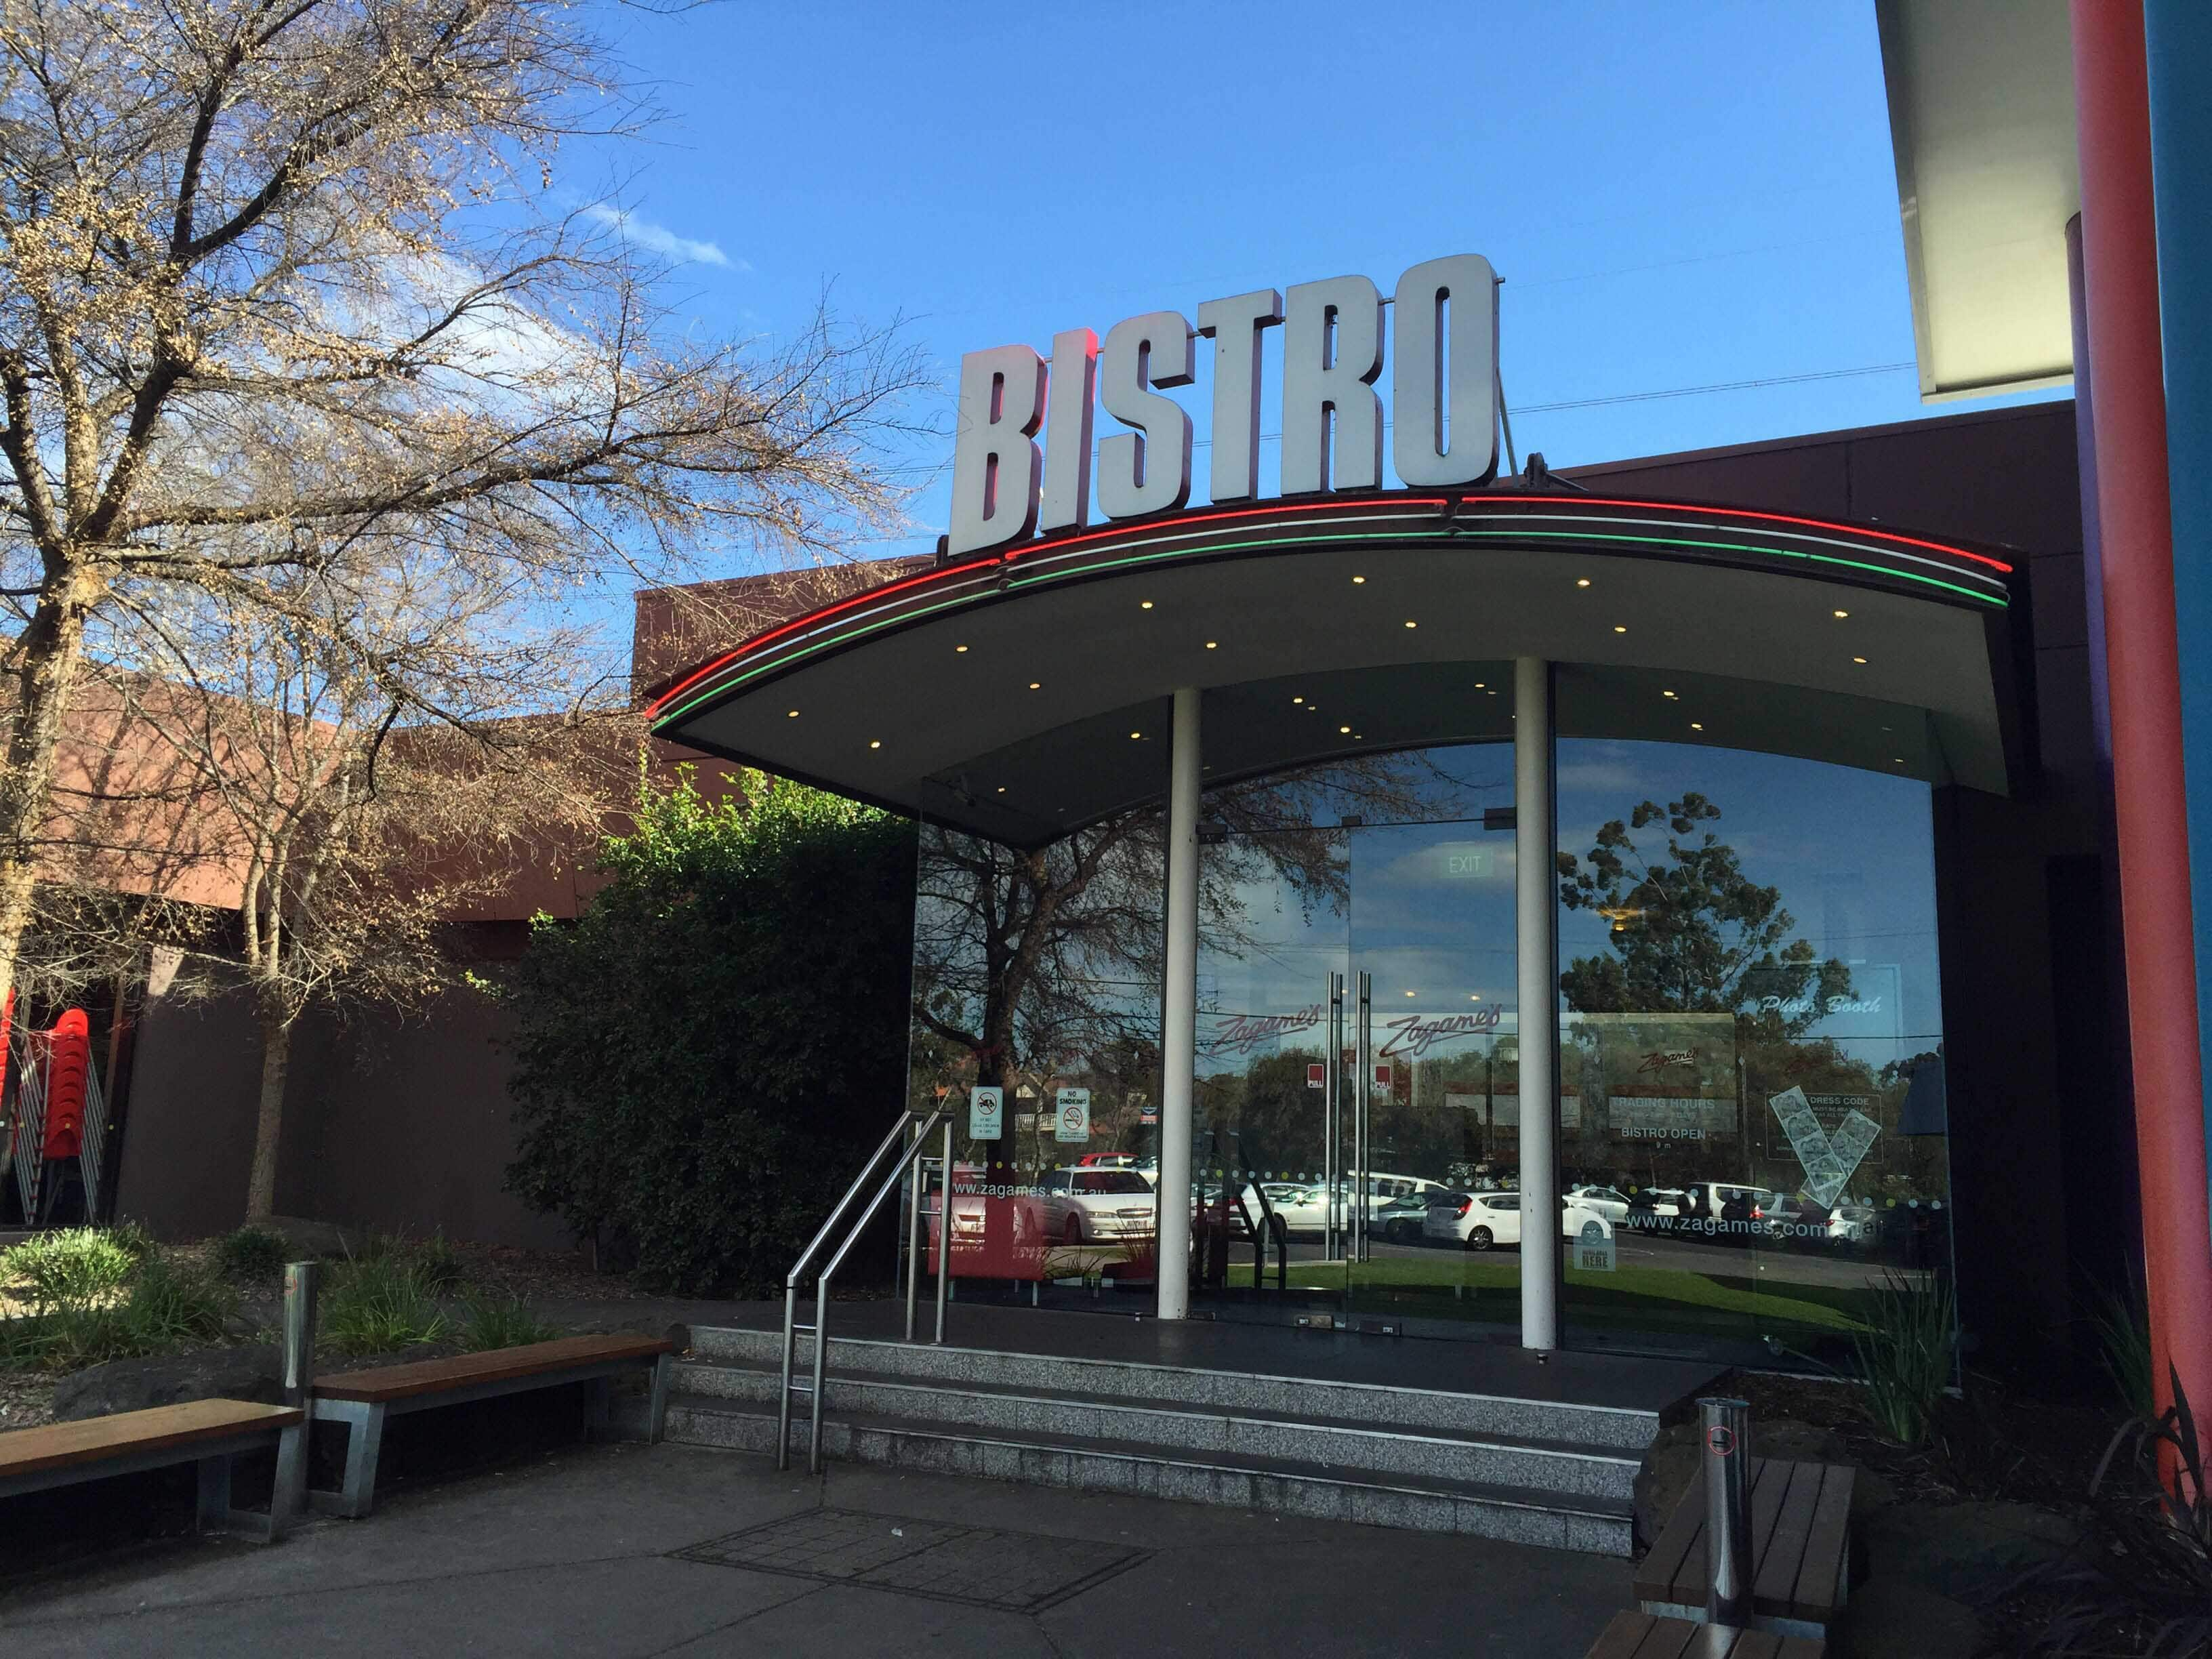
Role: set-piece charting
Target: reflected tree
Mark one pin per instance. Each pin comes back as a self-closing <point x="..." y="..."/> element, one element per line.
<point x="1691" y="931"/>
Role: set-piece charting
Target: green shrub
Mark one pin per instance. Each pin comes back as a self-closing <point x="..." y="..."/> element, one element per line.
<point x="438" y="1265"/>
<point x="68" y="1268"/>
<point x="168" y="1310"/>
<point x="1906" y="1354"/>
<point x="503" y="1323"/>
<point x="252" y="1256"/>
<point x="377" y="1305"/>
<point x="132" y="1236"/>
<point x="761" y="948"/>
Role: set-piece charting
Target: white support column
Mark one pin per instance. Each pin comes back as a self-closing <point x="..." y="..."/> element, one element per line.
<point x="1537" y="948"/>
<point x="1178" y="1010"/>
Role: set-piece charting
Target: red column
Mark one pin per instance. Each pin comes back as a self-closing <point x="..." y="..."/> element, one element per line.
<point x="2119" y="259"/>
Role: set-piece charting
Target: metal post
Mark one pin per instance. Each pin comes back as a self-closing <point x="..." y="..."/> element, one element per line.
<point x="944" y="1231"/>
<point x="1332" y="1114"/>
<point x="302" y="1281"/>
<point x="914" y="1239"/>
<point x="1537" y="954"/>
<point x="783" y="1396"/>
<point x="1361" y="1100"/>
<point x="1726" y="1459"/>
<point x="821" y="1363"/>
<point x="1178" y="1010"/>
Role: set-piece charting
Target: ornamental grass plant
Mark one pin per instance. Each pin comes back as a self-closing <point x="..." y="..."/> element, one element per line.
<point x="1907" y="1353"/>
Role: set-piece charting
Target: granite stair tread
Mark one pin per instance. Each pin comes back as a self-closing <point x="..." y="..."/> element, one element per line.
<point x="1472" y="1437"/>
<point x="1515" y="1496"/>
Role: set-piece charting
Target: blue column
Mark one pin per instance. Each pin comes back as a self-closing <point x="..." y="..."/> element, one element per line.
<point x="2179" y="39"/>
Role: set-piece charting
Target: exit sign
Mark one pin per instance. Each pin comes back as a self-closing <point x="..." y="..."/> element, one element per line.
<point x="1464" y="862"/>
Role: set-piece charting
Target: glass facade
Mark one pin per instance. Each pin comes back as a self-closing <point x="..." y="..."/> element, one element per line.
<point x="1748" y="1028"/>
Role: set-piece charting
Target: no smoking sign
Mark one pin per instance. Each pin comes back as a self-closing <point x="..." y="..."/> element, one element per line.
<point x="1072" y="1122"/>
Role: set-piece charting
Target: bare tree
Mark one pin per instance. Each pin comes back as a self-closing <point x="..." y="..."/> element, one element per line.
<point x="284" y="294"/>
<point x="366" y="778"/>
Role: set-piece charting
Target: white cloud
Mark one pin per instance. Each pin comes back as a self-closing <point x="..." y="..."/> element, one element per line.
<point x="658" y="239"/>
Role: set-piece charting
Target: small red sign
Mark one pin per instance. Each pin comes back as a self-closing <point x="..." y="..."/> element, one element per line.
<point x="1382" y="1073"/>
<point x="1317" y="1075"/>
<point x="1720" y="1440"/>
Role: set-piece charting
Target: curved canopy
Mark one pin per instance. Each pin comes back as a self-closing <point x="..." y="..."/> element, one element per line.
<point x="1021" y="694"/>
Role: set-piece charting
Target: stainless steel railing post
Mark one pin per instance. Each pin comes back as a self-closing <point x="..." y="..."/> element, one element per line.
<point x="913" y="1244"/>
<point x="1727" y="1459"/>
<point x="944" y="1231"/>
<point x="783" y="1396"/>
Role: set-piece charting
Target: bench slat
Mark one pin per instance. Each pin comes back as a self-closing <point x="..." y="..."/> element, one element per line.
<point x="1781" y="1519"/>
<point x="60" y="1445"/>
<point x="1647" y="1636"/>
<point x="386" y="1382"/>
<point x="1820" y="1590"/>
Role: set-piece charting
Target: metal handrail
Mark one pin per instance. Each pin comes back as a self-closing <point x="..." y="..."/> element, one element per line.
<point x="910" y="1158"/>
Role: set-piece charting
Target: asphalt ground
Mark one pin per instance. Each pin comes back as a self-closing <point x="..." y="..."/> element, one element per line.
<point x="634" y="1550"/>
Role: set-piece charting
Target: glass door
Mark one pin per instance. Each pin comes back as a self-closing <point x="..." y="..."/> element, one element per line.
<point x="1433" y="1111"/>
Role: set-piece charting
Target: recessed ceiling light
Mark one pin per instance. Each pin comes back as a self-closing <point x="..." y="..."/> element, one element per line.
<point x="792" y="715"/>
<point x="1901" y="760"/>
<point x="1697" y="726"/>
<point x="1036" y="684"/>
<point x="1620" y="627"/>
<point x="875" y="743"/>
<point x="1297" y="699"/>
<point x="1002" y="789"/>
<point x="1359" y="737"/>
<point x="1666" y="693"/>
<point x="1356" y="580"/>
<point x="1212" y="644"/>
<point x="1477" y="997"/>
<point x="1413" y="625"/>
<point x="1412" y="993"/>
<point x="1345" y="730"/>
<point x="1582" y="582"/>
<point x="959" y="647"/>
<point x="1136" y="734"/>
<point x="1478" y="685"/>
<point x="1840" y="614"/>
<point x="1860" y="661"/>
<point x="1145" y="604"/>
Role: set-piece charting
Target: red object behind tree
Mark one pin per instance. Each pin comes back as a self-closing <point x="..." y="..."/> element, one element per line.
<point x="71" y="1041"/>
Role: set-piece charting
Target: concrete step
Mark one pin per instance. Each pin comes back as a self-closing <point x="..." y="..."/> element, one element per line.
<point x="1274" y="1485"/>
<point x="1595" y="1428"/>
<point x="1353" y="1449"/>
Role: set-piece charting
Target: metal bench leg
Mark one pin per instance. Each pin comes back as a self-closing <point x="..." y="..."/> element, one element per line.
<point x="663" y="1374"/>
<point x="288" y="1499"/>
<point x="364" y="1439"/>
<point x="214" y="1513"/>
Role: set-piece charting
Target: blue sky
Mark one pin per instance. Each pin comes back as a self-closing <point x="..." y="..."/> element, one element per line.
<point x="1678" y="196"/>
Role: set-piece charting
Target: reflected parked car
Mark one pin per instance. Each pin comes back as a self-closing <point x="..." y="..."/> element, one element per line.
<point x="1854" y="1226"/>
<point x="1608" y="1201"/>
<point x="1480" y="1220"/>
<point x="1097" y="1206"/>
<point x="1402" y="1220"/>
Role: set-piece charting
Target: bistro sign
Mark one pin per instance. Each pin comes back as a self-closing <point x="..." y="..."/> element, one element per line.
<point x="1443" y="424"/>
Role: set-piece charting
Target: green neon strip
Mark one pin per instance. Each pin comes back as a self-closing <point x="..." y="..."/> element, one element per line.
<point x="721" y="687"/>
<point x="1999" y="600"/>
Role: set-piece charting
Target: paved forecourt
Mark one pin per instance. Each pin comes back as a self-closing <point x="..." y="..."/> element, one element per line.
<point x="629" y="1550"/>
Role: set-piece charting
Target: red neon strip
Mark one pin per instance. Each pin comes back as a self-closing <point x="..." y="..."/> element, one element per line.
<point x="1746" y="513"/>
<point x="1039" y="548"/>
<point x="1036" y="548"/>
<point x="866" y="597"/>
<point x="873" y="593"/>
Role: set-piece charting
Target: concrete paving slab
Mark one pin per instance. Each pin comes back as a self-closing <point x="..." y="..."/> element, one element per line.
<point x="575" y="1555"/>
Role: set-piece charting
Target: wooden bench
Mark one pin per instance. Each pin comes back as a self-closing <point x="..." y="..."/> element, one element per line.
<point x="1800" y="1517"/>
<point x="207" y="1432"/>
<point x="1644" y="1636"/>
<point x="363" y="1399"/>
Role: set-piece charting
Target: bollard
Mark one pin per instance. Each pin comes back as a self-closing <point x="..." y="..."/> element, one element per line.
<point x="1726" y="1462"/>
<point x="302" y="1279"/>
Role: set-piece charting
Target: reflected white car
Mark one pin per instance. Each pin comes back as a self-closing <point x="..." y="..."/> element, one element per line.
<point x="1094" y="1206"/>
<point x="1480" y="1220"/>
<point x="1608" y="1201"/>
